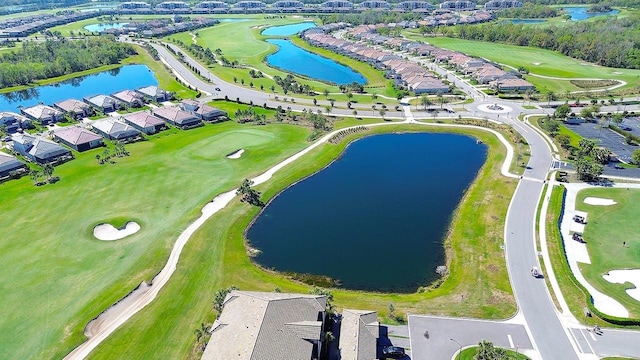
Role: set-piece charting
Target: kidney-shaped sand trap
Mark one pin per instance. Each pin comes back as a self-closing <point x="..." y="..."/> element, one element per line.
<point x="236" y="154"/>
<point x="599" y="201"/>
<point x="107" y="232"/>
<point x="623" y="276"/>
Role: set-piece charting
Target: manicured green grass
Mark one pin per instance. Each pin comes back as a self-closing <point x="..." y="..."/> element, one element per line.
<point x="61" y="277"/>
<point x="470" y="353"/>
<point x="607" y="227"/>
<point x="550" y="63"/>
<point x="216" y="257"/>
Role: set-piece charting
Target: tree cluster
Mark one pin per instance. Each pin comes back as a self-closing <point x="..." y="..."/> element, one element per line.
<point x="371" y="17"/>
<point x="248" y="194"/>
<point x="53" y="58"/>
<point x="529" y="11"/>
<point x="249" y="115"/>
<point x="590" y="159"/>
<point x="607" y="42"/>
<point x="289" y="84"/>
<point x="353" y="87"/>
<point x="623" y="3"/>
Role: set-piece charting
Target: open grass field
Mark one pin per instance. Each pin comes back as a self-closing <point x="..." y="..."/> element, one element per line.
<point x="216" y="257"/>
<point x="549" y="63"/>
<point x="607" y="228"/>
<point x="57" y="277"/>
<point x="470" y="354"/>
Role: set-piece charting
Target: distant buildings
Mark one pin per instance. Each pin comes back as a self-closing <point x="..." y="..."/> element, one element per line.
<point x="502" y="4"/>
<point x="458" y="5"/>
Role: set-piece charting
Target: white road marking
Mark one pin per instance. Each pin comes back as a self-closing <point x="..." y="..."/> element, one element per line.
<point x="510" y="341"/>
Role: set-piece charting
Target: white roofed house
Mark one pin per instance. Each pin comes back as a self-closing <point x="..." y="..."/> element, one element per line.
<point x="154" y="93"/>
<point x="11" y="121"/>
<point x="103" y="103"/>
<point x="74" y="108"/>
<point x="178" y="117"/>
<point x="40" y="150"/>
<point x="113" y="129"/>
<point x="78" y="138"/>
<point x="268" y="326"/>
<point x="130" y="98"/>
<point x="9" y="166"/>
<point x="145" y="122"/>
<point x="359" y="333"/>
<point x="42" y="114"/>
<point x="203" y="111"/>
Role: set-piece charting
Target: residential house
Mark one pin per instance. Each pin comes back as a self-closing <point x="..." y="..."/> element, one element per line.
<point x="103" y="103"/>
<point x="113" y="129"/>
<point x="203" y="111"/>
<point x="11" y="121"/>
<point x="502" y="4"/>
<point x="178" y="117"/>
<point x="145" y="122"/>
<point x="154" y="93"/>
<point x="78" y="138"/>
<point x="42" y="114"/>
<point x="511" y="84"/>
<point x="10" y="165"/>
<point x="75" y="108"/>
<point x="40" y="150"/>
<point x="267" y="326"/>
<point x="359" y="333"/>
<point x="131" y="99"/>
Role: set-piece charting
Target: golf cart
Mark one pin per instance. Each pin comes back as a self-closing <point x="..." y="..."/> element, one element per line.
<point x="535" y="272"/>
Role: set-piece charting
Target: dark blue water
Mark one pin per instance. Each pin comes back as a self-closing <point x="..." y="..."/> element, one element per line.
<point x="374" y="219"/>
<point x="527" y="21"/>
<point x="287" y="30"/>
<point x="294" y="59"/>
<point x="580" y="13"/>
<point x="103" y="27"/>
<point x="106" y="82"/>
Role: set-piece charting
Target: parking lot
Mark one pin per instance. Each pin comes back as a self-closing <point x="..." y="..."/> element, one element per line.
<point x="608" y="138"/>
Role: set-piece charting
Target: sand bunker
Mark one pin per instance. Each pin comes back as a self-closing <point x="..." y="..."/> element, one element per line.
<point x="617" y="72"/>
<point x="236" y="154"/>
<point x="107" y="232"/>
<point x="623" y="276"/>
<point x="598" y="201"/>
<point x="536" y="63"/>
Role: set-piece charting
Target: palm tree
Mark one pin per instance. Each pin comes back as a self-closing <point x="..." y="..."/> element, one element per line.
<point x="382" y="112"/>
<point x="425" y="101"/>
<point x="550" y="96"/>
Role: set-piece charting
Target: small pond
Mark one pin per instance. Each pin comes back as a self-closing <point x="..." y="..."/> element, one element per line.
<point x="287" y="30"/>
<point x="528" y="21"/>
<point x="106" y="82"/>
<point x="104" y="26"/>
<point x="292" y="58"/>
<point x="580" y="12"/>
<point x="375" y="219"/>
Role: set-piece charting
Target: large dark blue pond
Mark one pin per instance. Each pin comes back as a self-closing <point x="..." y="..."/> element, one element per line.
<point x="294" y="59"/>
<point x="106" y="82"/>
<point x="376" y="218"/>
<point x="287" y="30"/>
<point x="580" y="13"/>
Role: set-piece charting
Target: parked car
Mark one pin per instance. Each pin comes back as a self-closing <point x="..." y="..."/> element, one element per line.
<point x="394" y="352"/>
<point x="619" y="167"/>
<point x="217" y="89"/>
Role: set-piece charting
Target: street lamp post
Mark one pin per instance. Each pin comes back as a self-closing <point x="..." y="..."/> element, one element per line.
<point x="460" y="345"/>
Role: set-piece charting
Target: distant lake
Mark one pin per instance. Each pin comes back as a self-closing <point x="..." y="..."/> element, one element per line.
<point x="106" y="82"/>
<point x="528" y="21"/>
<point x="292" y="58"/>
<point x="580" y="12"/>
<point x="105" y="26"/>
<point x="287" y="30"/>
<point x="376" y="218"/>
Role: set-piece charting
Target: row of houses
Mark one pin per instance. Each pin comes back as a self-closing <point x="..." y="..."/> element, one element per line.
<point x="290" y="6"/>
<point x="480" y="70"/>
<point x="25" y="26"/>
<point x="126" y="128"/>
<point x="264" y="326"/>
<point x="405" y="74"/>
<point x="162" y="27"/>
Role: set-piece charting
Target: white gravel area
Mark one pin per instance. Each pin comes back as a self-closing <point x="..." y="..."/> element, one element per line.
<point x="623" y="276"/>
<point x="236" y="154"/>
<point x="599" y="201"/>
<point x="108" y="232"/>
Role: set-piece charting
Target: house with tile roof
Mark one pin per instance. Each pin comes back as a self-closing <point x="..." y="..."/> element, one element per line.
<point x="267" y="326"/>
<point x="145" y="122"/>
<point x="511" y="84"/>
<point x="78" y="138"/>
<point x="203" y="111"/>
<point x="11" y="121"/>
<point x="42" y="114"/>
<point x="10" y="165"/>
<point x="178" y="117"/>
<point x="113" y="129"/>
<point x="154" y="93"/>
<point x="129" y="98"/>
<point x="76" y="108"/>
<point x="103" y="103"/>
<point x="40" y="150"/>
<point x="359" y="333"/>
